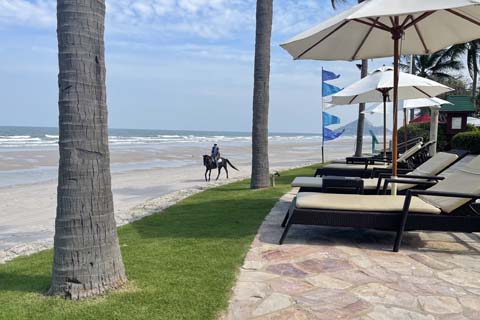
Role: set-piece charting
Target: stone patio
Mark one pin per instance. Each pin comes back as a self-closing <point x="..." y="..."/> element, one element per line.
<point x="333" y="273"/>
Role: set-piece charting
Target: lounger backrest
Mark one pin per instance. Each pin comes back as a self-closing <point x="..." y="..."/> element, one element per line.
<point x="410" y="152"/>
<point x="465" y="180"/>
<point x="435" y="164"/>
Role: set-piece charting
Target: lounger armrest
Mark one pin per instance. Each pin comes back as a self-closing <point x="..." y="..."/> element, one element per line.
<point x="406" y="181"/>
<point x="435" y="178"/>
<point x="377" y="171"/>
<point x="443" y="194"/>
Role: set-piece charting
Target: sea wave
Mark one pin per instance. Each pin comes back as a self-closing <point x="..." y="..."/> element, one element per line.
<point x="118" y="139"/>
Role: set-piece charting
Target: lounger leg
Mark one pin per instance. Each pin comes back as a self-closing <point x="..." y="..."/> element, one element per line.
<point x="284" y="222"/>
<point x="287" y="227"/>
<point x="403" y="222"/>
<point x="287" y="215"/>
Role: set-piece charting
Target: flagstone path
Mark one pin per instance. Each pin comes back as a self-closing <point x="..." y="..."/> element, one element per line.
<point x="333" y="273"/>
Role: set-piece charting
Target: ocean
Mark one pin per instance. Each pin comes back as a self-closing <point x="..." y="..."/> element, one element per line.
<point x="41" y="137"/>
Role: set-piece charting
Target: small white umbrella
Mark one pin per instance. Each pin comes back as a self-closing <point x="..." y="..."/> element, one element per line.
<point x="434" y="103"/>
<point x="378" y="86"/>
<point x="367" y="31"/>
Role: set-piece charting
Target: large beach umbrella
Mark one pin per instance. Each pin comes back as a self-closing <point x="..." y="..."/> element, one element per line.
<point x="377" y="87"/>
<point x="367" y="31"/>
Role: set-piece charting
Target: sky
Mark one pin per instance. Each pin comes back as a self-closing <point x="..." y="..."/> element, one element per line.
<point x="172" y="64"/>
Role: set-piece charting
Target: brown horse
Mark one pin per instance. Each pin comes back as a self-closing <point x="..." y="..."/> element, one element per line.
<point x="210" y="164"/>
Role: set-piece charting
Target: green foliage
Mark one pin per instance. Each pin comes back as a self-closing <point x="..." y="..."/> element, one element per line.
<point x="181" y="263"/>
<point x="423" y="130"/>
<point x="469" y="140"/>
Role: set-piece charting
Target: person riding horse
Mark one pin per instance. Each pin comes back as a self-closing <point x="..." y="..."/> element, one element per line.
<point x="215" y="154"/>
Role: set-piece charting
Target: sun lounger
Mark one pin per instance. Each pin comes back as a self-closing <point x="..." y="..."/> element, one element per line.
<point x="408" y="160"/>
<point x="435" y="209"/>
<point x="423" y="176"/>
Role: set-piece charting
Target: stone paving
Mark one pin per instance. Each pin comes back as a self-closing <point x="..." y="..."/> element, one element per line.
<point x="334" y="273"/>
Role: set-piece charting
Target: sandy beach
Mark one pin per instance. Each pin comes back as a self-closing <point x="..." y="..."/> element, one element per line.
<point x="145" y="179"/>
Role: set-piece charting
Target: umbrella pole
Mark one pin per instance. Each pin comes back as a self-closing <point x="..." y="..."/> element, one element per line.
<point x="397" y="34"/>
<point x="384" y="127"/>
<point x="405" y="129"/>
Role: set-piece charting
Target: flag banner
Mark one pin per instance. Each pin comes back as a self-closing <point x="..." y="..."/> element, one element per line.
<point x="329" y="119"/>
<point x="328" y="75"/>
<point x="329" y="135"/>
<point x="328" y="89"/>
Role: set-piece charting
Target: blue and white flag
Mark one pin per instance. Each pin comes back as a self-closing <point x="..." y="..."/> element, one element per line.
<point x="329" y="119"/>
<point x="328" y="89"/>
<point x="328" y="75"/>
<point x="329" y="135"/>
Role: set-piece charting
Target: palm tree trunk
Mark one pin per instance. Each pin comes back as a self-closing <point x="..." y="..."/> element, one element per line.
<point x="361" y="115"/>
<point x="260" y="166"/>
<point x="87" y="259"/>
<point x="474" y="88"/>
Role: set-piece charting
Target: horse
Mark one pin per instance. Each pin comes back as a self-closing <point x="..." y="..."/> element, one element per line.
<point x="210" y="164"/>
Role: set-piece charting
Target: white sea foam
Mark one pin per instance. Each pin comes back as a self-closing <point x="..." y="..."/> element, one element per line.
<point x="51" y="140"/>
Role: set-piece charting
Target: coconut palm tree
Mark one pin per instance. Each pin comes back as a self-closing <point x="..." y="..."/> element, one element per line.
<point x="437" y="66"/>
<point x="87" y="259"/>
<point x="260" y="165"/>
<point x="472" y="50"/>
<point x="361" y="106"/>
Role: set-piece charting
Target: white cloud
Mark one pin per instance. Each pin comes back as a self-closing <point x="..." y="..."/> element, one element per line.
<point x="22" y="12"/>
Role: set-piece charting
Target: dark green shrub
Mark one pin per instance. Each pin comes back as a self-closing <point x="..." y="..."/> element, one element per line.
<point x="468" y="140"/>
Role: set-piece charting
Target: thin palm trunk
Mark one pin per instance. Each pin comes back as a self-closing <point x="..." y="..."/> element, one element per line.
<point x="474" y="88"/>
<point x="361" y="116"/>
<point x="87" y="259"/>
<point x="260" y="166"/>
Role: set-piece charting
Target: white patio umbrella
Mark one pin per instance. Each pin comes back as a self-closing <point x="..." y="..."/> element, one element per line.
<point x="377" y="87"/>
<point x="367" y="31"/>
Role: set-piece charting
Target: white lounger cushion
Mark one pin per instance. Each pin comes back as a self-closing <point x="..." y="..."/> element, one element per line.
<point x="465" y="180"/>
<point x="357" y="202"/>
<point x="435" y="164"/>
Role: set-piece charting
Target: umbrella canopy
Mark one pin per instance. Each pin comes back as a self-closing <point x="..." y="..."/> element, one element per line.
<point x="369" y="29"/>
<point x="365" y="30"/>
<point x="434" y="103"/>
<point x="422" y="118"/>
<point x="378" y="85"/>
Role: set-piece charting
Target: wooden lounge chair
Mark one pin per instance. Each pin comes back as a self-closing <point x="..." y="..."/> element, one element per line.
<point x="408" y="160"/>
<point x="435" y="209"/>
<point x="424" y="175"/>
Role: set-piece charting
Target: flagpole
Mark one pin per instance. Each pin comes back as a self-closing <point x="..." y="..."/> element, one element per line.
<point x="323" y="125"/>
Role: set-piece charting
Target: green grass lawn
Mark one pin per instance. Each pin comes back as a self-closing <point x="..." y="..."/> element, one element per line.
<point x="181" y="263"/>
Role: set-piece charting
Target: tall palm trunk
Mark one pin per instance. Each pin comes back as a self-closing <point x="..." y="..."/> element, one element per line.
<point x="260" y="166"/>
<point x="87" y="259"/>
<point x="361" y="115"/>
